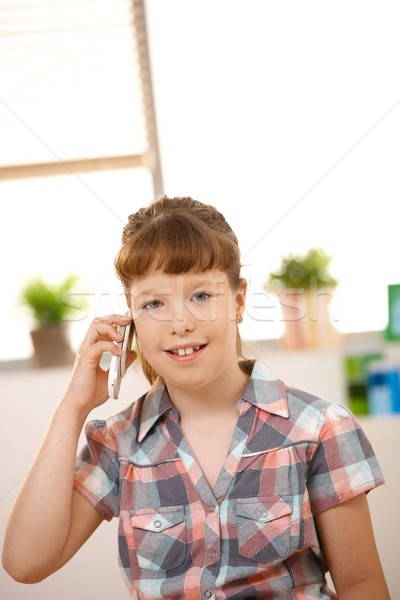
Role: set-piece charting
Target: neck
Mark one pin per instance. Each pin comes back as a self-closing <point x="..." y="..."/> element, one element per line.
<point x="215" y="397"/>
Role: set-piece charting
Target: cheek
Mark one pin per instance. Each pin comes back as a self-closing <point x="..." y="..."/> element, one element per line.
<point x="147" y="348"/>
<point x="149" y="331"/>
<point x="143" y="332"/>
<point x="225" y="331"/>
<point x="232" y="310"/>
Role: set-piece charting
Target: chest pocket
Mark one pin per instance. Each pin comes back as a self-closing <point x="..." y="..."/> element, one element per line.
<point x="263" y="527"/>
<point x="160" y="537"/>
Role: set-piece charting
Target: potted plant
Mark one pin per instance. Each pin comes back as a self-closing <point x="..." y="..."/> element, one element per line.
<point x="51" y="309"/>
<point x="304" y="286"/>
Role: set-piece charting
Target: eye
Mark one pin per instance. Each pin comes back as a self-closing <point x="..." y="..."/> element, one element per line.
<point x="201" y="296"/>
<point x="151" y="305"/>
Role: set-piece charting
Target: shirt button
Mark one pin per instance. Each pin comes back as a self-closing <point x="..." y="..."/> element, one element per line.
<point x="157" y="524"/>
<point x="214" y="554"/>
<point x="207" y="594"/>
<point x="211" y="508"/>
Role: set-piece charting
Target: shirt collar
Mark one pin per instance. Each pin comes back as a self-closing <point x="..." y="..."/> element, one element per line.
<point x="156" y="403"/>
<point x="264" y="390"/>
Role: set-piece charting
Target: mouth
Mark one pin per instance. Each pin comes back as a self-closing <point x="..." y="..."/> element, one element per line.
<point x="186" y="350"/>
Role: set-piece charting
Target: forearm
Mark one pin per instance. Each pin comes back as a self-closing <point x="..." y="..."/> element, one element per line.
<point x="46" y="526"/>
<point x="42" y="512"/>
<point x="368" y="589"/>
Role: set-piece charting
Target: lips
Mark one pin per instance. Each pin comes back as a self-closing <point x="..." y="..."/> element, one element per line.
<point x="186" y="349"/>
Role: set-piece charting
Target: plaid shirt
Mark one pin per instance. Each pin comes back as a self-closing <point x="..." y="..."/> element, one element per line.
<point x="253" y="536"/>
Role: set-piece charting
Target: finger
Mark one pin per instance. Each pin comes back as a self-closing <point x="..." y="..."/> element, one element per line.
<point x="100" y="333"/>
<point x="114" y="319"/>
<point x="104" y="330"/>
<point x="95" y="352"/>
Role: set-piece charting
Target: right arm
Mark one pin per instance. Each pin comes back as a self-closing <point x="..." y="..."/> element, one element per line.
<point x="48" y="511"/>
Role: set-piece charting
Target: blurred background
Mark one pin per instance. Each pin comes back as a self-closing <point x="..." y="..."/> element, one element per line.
<point x="285" y="116"/>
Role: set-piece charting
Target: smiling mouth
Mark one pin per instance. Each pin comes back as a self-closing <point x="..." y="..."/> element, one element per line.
<point x="186" y="351"/>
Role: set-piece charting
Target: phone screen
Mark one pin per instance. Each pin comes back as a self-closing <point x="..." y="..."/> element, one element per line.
<point x="118" y="364"/>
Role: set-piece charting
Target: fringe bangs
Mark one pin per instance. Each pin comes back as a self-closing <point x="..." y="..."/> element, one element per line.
<point x="175" y="244"/>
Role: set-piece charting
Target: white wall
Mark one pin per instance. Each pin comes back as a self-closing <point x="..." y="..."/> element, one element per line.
<point x="28" y="399"/>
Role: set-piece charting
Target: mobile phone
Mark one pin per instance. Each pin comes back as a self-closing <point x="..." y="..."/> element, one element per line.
<point x="118" y="364"/>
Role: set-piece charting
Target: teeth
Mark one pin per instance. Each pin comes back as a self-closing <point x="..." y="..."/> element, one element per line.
<point x="185" y="351"/>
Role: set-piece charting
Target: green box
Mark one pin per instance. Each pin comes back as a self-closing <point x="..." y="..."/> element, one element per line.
<point x="356" y="370"/>
<point x="393" y="328"/>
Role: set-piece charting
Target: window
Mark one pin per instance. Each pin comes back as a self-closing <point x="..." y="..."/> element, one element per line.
<point x="78" y="149"/>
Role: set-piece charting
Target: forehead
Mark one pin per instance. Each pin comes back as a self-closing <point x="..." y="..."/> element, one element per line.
<point x="158" y="281"/>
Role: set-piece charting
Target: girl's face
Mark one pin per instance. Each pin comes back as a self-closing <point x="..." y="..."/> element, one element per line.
<point x="186" y="324"/>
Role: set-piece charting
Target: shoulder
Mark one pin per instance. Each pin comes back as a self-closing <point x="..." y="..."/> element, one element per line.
<point x="126" y="421"/>
<point x="299" y="414"/>
<point x="300" y="401"/>
<point x="319" y="413"/>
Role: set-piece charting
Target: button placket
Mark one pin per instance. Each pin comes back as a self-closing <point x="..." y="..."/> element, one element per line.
<point x="213" y="534"/>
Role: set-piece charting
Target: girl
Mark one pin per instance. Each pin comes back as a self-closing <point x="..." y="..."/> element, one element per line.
<point x="226" y="483"/>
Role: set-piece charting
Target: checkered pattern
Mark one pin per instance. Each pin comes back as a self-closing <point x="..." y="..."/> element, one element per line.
<point x="253" y="536"/>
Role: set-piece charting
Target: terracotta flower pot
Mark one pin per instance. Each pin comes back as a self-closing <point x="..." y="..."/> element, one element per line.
<point x="51" y="346"/>
<point x="307" y="319"/>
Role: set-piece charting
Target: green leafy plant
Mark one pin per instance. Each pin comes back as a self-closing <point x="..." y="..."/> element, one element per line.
<point x="309" y="271"/>
<point x="51" y="303"/>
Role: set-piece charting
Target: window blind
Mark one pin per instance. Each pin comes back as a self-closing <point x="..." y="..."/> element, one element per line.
<point x="75" y="86"/>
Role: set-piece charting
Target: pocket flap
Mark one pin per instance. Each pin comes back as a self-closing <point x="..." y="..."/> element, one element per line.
<point x="264" y="509"/>
<point x="157" y="519"/>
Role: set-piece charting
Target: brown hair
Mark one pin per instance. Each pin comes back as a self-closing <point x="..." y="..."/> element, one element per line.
<point x="176" y="235"/>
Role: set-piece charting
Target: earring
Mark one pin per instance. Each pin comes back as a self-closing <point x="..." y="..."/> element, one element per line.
<point x="239" y="319"/>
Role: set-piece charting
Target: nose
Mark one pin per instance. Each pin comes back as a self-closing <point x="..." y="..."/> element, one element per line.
<point x="182" y="321"/>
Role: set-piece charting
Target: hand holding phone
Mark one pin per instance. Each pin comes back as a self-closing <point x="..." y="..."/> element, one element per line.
<point x="119" y="364"/>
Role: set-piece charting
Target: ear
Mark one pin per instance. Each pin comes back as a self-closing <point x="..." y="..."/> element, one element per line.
<point x="241" y="297"/>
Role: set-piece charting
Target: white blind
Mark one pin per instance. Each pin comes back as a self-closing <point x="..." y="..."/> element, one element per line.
<point x="70" y="83"/>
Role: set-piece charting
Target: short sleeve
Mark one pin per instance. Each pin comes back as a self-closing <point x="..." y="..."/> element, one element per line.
<point x="344" y="463"/>
<point x="97" y="470"/>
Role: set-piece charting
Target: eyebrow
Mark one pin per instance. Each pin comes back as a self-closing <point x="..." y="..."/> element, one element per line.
<point x="152" y="292"/>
